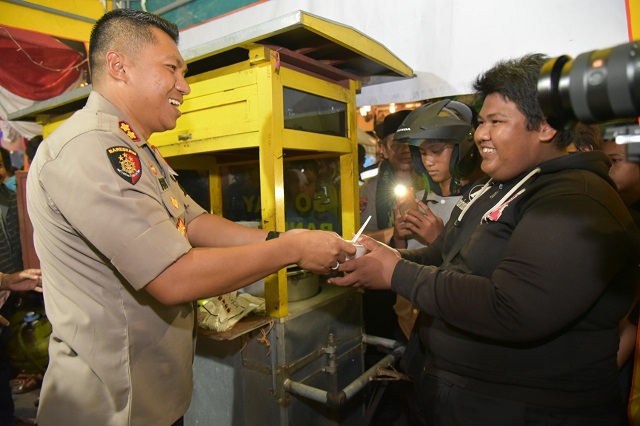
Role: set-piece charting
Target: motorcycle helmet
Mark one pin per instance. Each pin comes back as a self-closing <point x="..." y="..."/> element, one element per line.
<point x="444" y="121"/>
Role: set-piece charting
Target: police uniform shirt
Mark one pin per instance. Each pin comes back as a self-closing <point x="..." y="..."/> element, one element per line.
<point x="108" y="218"/>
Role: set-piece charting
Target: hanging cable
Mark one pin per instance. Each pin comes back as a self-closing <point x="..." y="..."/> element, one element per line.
<point x="20" y="48"/>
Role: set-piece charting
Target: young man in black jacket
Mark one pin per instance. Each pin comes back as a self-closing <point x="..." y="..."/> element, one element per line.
<point x="521" y="295"/>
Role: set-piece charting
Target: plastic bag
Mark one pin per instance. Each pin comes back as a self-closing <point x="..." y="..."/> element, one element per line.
<point x="223" y="312"/>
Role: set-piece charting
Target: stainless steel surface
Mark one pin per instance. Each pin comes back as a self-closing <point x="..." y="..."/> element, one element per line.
<point x="318" y="345"/>
<point x="301" y="285"/>
<point x="381" y="341"/>
<point x="341" y="397"/>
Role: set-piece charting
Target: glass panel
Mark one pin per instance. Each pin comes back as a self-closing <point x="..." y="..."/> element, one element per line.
<point x="312" y="194"/>
<point x="311" y="187"/>
<point x="241" y="193"/>
<point x="196" y="184"/>
<point x="311" y="113"/>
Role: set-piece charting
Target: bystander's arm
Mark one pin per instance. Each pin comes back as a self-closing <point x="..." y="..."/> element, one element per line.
<point x="29" y="279"/>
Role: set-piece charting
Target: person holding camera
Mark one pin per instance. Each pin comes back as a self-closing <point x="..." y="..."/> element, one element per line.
<point x="522" y="293"/>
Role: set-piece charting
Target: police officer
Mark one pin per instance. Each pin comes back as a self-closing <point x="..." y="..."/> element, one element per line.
<point x="124" y="251"/>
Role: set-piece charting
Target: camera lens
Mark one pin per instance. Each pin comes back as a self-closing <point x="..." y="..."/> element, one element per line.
<point x="597" y="86"/>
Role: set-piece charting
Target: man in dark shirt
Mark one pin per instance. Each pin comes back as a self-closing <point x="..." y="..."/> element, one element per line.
<point x="521" y="295"/>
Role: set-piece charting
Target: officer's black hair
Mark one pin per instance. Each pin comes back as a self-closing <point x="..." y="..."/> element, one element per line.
<point x="131" y="26"/>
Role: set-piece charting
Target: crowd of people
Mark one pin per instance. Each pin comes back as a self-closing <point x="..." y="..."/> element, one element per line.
<point x="509" y="271"/>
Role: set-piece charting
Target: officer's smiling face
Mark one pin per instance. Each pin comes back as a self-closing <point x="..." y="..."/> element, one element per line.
<point x="157" y="85"/>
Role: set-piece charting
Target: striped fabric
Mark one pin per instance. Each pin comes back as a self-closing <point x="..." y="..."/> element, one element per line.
<point x="10" y="248"/>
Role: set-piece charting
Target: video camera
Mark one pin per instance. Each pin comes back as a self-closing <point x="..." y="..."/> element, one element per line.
<point x="595" y="87"/>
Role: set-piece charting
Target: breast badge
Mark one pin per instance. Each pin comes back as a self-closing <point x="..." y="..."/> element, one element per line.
<point x="182" y="227"/>
<point x="126" y="163"/>
<point x="174" y="202"/>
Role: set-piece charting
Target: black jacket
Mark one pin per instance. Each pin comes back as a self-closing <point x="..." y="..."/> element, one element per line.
<point x="529" y="285"/>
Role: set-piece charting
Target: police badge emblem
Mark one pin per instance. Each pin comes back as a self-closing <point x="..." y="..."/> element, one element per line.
<point x="126" y="163"/>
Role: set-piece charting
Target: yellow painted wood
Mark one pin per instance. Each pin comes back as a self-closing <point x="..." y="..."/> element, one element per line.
<point x="356" y="41"/>
<point x="310" y="84"/>
<point x="296" y="139"/>
<point x="216" y="107"/>
<point x="349" y="188"/>
<point x="270" y="107"/>
<point x="50" y="123"/>
<point x="49" y="23"/>
<point x="633" y="18"/>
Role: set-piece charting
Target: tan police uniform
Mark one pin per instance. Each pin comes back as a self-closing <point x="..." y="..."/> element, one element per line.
<point x="109" y="217"/>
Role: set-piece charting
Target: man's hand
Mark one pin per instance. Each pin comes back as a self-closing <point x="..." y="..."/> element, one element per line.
<point x="320" y="251"/>
<point x="400" y="228"/>
<point x="29" y="279"/>
<point x="426" y="226"/>
<point x="371" y="271"/>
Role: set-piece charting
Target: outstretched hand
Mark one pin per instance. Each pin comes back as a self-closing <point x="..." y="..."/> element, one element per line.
<point x="373" y="270"/>
<point x="29" y="279"/>
<point x="320" y="251"/>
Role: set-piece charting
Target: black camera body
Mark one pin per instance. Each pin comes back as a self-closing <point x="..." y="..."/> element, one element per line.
<point x="597" y="86"/>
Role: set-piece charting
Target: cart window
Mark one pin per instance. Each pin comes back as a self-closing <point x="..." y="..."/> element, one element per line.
<point x="311" y="113"/>
<point x="312" y="194"/>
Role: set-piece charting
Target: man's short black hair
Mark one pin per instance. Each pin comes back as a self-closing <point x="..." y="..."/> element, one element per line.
<point x="129" y="28"/>
<point x="517" y="80"/>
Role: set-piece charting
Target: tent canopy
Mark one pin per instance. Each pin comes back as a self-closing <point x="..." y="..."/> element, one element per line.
<point x="37" y="66"/>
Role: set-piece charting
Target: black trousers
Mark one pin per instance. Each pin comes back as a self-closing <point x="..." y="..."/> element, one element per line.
<point x="443" y="403"/>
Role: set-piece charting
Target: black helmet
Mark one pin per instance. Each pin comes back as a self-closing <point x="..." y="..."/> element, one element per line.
<point x="445" y="119"/>
<point x="448" y="121"/>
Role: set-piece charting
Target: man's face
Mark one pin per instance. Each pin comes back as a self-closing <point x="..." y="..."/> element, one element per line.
<point x="157" y="85"/>
<point x="436" y="157"/>
<point x="506" y="146"/>
<point x="625" y="174"/>
<point x="398" y="154"/>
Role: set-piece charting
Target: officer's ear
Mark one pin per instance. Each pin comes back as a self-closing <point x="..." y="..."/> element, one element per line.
<point x="115" y="65"/>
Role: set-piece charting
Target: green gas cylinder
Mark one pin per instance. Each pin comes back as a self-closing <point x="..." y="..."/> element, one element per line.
<point x="29" y="342"/>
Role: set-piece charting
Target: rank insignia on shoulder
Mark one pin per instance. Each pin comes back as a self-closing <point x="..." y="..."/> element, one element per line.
<point x="174" y="202"/>
<point x="126" y="163"/>
<point x="126" y="128"/>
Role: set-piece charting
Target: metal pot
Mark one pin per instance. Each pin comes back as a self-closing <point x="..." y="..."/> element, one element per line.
<point x="301" y="284"/>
